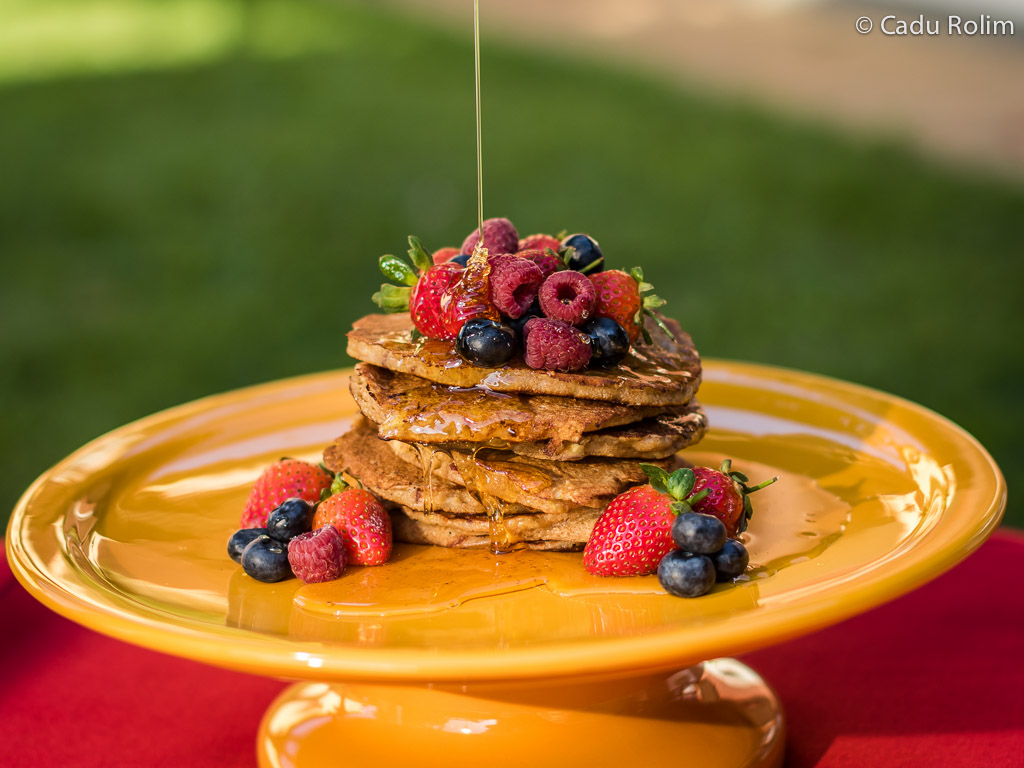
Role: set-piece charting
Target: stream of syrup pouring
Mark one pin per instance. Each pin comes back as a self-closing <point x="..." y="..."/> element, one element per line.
<point x="476" y="480"/>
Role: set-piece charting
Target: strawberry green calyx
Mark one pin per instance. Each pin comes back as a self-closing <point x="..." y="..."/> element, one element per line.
<point x="648" y="302"/>
<point x="395" y="298"/>
<point x="338" y="485"/>
<point x="740" y="480"/>
<point x="678" y="485"/>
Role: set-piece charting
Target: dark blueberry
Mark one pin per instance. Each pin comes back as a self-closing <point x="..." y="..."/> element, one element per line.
<point x="461" y="259"/>
<point x="588" y="258"/>
<point x="485" y="342"/>
<point x="686" y="575"/>
<point x="519" y="323"/>
<point x="240" y="540"/>
<point x="697" y="533"/>
<point x="266" y="560"/>
<point x="292" y="517"/>
<point x="609" y="341"/>
<point x="731" y="560"/>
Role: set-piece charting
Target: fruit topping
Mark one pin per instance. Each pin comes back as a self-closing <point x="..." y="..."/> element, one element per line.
<point x="586" y="254"/>
<point x="568" y="296"/>
<point x="731" y="560"/>
<point x="500" y="236"/>
<point x="486" y="342"/>
<point x="514" y="284"/>
<point x="628" y="300"/>
<point x="697" y="533"/>
<point x="292" y="517"/>
<point x="462" y="259"/>
<point x="240" y="540"/>
<point x="266" y="559"/>
<point x="441" y="255"/>
<point x="363" y="523"/>
<point x="609" y="342"/>
<point x="685" y="574"/>
<point x="555" y="346"/>
<point x="725" y="494"/>
<point x="548" y="260"/>
<point x="540" y="242"/>
<point x="468" y="297"/>
<point x="419" y="293"/>
<point x="318" y="556"/>
<point x="519" y="324"/>
<point x="283" y="480"/>
<point x="632" y="535"/>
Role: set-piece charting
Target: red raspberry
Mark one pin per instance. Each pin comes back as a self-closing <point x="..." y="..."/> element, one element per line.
<point x="514" y="284"/>
<point x="500" y="236"/>
<point x="441" y="255"/>
<point x="539" y="243"/>
<point x="318" y="555"/>
<point x="555" y="346"/>
<point x="568" y="296"/>
<point x="549" y="263"/>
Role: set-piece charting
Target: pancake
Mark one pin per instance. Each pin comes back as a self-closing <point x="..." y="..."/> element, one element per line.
<point x="539" y="532"/>
<point x="664" y="373"/>
<point x="409" y="408"/>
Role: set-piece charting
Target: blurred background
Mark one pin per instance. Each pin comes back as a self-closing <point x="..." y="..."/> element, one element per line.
<point x="195" y="192"/>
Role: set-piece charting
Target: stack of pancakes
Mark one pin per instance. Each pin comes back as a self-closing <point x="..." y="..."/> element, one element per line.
<point x="468" y="456"/>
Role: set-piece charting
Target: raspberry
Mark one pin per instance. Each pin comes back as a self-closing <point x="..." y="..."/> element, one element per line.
<point x="500" y="236"/>
<point x="555" y="346"/>
<point x="318" y="555"/>
<point x="568" y="296"/>
<point x="539" y="243"/>
<point x="514" y="284"/>
<point x="549" y="263"/>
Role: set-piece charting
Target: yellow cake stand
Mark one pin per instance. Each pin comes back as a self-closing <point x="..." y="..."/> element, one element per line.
<point x="445" y="657"/>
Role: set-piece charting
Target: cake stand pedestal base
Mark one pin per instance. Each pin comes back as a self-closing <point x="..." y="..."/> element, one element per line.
<point x="719" y="713"/>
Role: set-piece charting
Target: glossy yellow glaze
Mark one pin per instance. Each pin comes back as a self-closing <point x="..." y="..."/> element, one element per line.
<point x="718" y="713"/>
<point x="127" y="536"/>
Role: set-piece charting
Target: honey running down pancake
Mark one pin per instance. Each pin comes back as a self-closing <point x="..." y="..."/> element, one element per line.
<point x="539" y="532"/>
<point x="664" y="373"/>
<point x="412" y="409"/>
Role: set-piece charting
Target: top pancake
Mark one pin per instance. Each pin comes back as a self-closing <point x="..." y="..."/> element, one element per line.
<point x="665" y="372"/>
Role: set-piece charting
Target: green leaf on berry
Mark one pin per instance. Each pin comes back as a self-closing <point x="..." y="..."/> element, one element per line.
<point x="659" y="477"/>
<point x="338" y="485"/>
<point x="392" y="298"/>
<point x="395" y="269"/>
<point x="420" y="258"/>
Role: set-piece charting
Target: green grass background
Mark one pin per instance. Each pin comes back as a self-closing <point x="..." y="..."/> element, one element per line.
<point x="174" y="224"/>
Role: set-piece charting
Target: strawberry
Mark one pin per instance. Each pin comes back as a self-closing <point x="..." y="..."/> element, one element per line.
<point x="441" y="255"/>
<point x="726" y="495"/>
<point x="468" y="297"/>
<point x="361" y="520"/>
<point x="628" y="300"/>
<point x="420" y="294"/>
<point x="634" y="532"/>
<point x="283" y="480"/>
<point x="540" y="243"/>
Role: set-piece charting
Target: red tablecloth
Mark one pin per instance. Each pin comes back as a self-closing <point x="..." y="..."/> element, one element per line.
<point x="933" y="679"/>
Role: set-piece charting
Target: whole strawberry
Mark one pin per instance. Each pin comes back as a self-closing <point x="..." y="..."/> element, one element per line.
<point x="361" y="520"/>
<point x="420" y="294"/>
<point x="628" y="300"/>
<point x="468" y="297"/>
<point x="283" y="480"/>
<point x="725" y="494"/>
<point x="441" y="255"/>
<point x="540" y="242"/>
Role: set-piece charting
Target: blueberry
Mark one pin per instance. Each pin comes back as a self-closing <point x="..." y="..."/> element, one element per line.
<point x="731" y="560"/>
<point x="686" y="575"/>
<point x="461" y="259"/>
<point x="609" y="341"/>
<point x="240" y="540"/>
<point x="265" y="559"/>
<point x="485" y="342"/>
<point x="292" y="517"/>
<point x="588" y="253"/>
<point x="519" y="323"/>
<point x="697" y="533"/>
